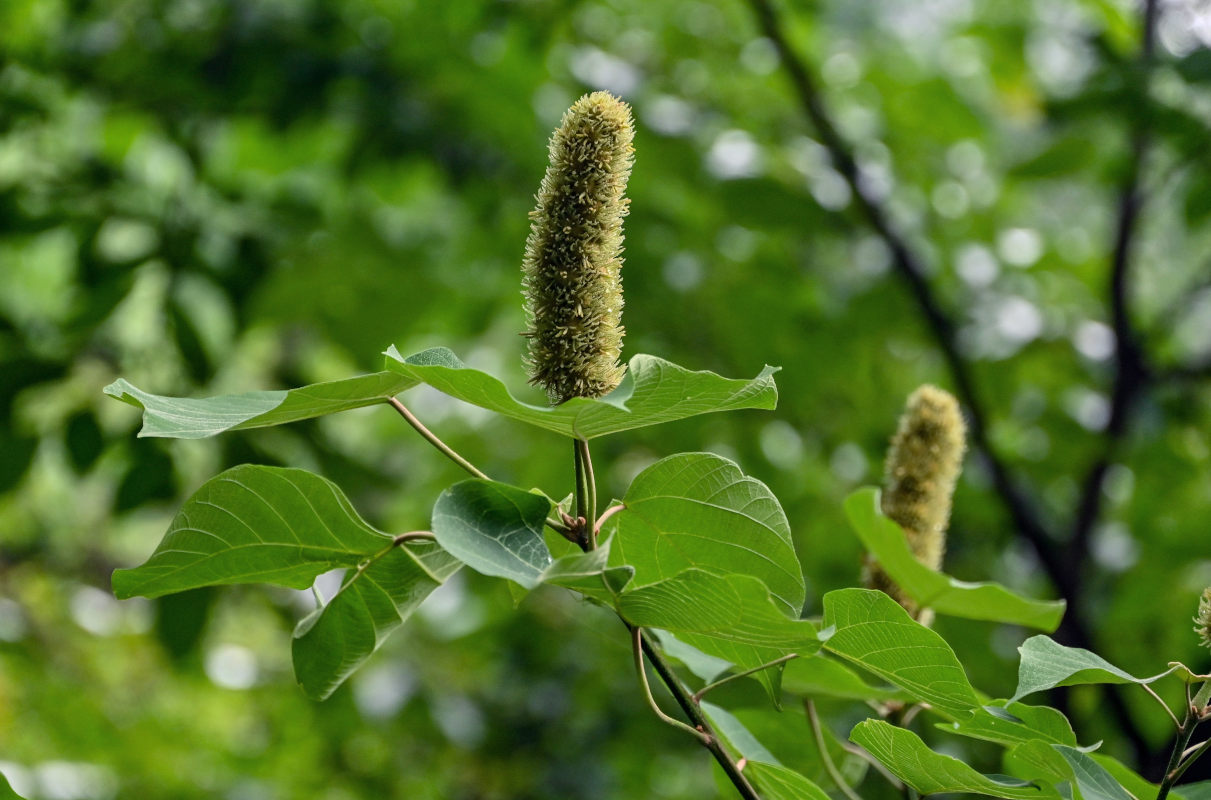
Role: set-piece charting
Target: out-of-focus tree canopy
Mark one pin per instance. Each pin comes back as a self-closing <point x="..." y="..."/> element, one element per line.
<point x="210" y="196"/>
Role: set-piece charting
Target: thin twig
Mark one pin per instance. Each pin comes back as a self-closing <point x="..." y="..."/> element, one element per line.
<point x="826" y="757"/>
<point x="449" y="452"/>
<point x="698" y="695"/>
<point x="609" y="512"/>
<point x="590" y="489"/>
<point x="637" y="652"/>
<point x="1197" y="748"/>
<point x="1176" y="722"/>
<point x="413" y="536"/>
<point x="434" y="440"/>
<point x="694" y="712"/>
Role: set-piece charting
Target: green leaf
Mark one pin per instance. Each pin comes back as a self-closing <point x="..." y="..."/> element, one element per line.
<point x="589" y="574"/>
<point x="6" y="791"/>
<point x="780" y="783"/>
<point x="885" y="540"/>
<point x="736" y="608"/>
<point x="699" y="511"/>
<point x="1032" y="722"/>
<point x="824" y="677"/>
<point x="653" y="391"/>
<point x="910" y="760"/>
<point x="1058" y="764"/>
<point x="706" y="667"/>
<point x="188" y="418"/>
<point x="771" y="779"/>
<point x="731" y="617"/>
<point x="373" y="601"/>
<point x="1046" y="664"/>
<point x="1092" y="779"/>
<point x="495" y="529"/>
<point x="870" y="629"/>
<point x="254" y="524"/>
<point x="1135" y="783"/>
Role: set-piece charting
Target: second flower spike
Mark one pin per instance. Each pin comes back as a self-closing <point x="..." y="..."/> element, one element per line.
<point x="573" y="259"/>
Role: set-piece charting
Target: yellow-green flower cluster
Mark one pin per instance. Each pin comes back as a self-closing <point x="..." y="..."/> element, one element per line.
<point x="573" y="258"/>
<point x="922" y="467"/>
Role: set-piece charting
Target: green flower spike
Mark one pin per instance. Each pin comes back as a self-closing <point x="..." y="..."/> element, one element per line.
<point x="1202" y="623"/>
<point x="922" y="467"/>
<point x="573" y="259"/>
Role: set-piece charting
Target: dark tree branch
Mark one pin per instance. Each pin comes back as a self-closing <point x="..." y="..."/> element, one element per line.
<point x="1131" y="372"/>
<point x="911" y="269"/>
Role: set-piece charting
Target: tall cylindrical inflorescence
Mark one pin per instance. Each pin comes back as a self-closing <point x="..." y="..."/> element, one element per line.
<point x="922" y="467"/>
<point x="573" y="259"/>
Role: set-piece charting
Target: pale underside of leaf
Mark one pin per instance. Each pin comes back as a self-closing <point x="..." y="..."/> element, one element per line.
<point x="1047" y="664"/>
<point x="653" y="391"/>
<point x="190" y="418"/>
<point x="885" y="540"/>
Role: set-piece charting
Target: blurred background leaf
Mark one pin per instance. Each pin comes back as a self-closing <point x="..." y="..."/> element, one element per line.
<point x="214" y="196"/>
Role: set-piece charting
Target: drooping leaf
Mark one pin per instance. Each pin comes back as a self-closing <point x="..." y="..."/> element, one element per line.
<point x="1030" y="723"/>
<point x="787" y="735"/>
<point x="824" y="677"/>
<point x="254" y="524"/>
<point x="1058" y="764"/>
<point x="870" y="629"/>
<point x="190" y="418"/>
<point x="1047" y="664"/>
<point x="910" y="760"/>
<point x="374" y="600"/>
<point x="704" y="665"/>
<point x="495" y="529"/>
<point x="768" y="775"/>
<point x="653" y="391"/>
<point x="885" y="540"/>
<point x="699" y="511"/>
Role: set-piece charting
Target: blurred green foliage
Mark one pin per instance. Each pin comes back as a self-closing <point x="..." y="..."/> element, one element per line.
<point x="210" y="196"/>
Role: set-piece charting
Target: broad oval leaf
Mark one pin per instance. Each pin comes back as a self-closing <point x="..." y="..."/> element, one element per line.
<point x="1047" y="664"/>
<point x="189" y="418"/>
<point x="870" y="629"/>
<point x="653" y="391"/>
<point x="700" y="511"/>
<point x="374" y="600"/>
<point x="885" y="540"/>
<point x="255" y="524"/>
<point x="910" y="760"/>
<point x="495" y="529"/>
